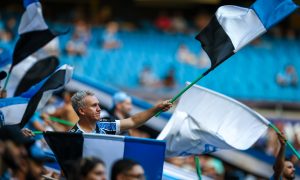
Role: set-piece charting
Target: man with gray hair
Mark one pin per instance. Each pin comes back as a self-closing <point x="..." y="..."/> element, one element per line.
<point x="86" y="105"/>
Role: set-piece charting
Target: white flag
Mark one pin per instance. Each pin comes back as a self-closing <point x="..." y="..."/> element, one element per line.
<point x="205" y="121"/>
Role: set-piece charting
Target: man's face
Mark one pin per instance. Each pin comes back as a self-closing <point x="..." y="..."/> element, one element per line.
<point x="91" y="110"/>
<point x="289" y="170"/>
<point x="125" y="107"/>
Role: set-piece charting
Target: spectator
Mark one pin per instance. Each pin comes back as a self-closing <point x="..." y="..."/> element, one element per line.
<point x="169" y="80"/>
<point x="80" y="39"/>
<point x="163" y="22"/>
<point x="179" y="24"/>
<point x="110" y="37"/>
<point x="66" y="112"/>
<point x="288" y="78"/>
<point x="89" y="168"/>
<point x="86" y="105"/>
<point x="122" y="107"/>
<point x="184" y="55"/>
<point x="126" y="169"/>
<point x="75" y="46"/>
<point x="283" y="168"/>
<point x="148" y="79"/>
<point x="14" y="154"/>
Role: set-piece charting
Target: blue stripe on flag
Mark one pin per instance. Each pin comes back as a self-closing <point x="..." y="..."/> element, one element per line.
<point x="28" y="2"/>
<point x="13" y="101"/>
<point x="34" y="89"/>
<point x="271" y="12"/>
<point x="149" y="153"/>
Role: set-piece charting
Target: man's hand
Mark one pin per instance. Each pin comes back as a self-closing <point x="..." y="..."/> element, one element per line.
<point x="282" y="139"/>
<point x="164" y="106"/>
<point x="27" y="132"/>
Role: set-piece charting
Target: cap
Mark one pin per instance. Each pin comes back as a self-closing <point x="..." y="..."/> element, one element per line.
<point x="13" y="133"/>
<point x="3" y="75"/>
<point x="120" y="97"/>
<point x="38" y="155"/>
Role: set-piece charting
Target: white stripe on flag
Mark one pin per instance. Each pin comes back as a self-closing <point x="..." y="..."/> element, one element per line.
<point x="241" y="24"/>
<point x="32" y="19"/>
<point x="17" y="74"/>
<point x="205" y="121"/>
<point x="13" y="113"/>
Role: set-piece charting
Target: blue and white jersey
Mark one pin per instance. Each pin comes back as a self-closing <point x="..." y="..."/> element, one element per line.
<point x="103" y="126"/>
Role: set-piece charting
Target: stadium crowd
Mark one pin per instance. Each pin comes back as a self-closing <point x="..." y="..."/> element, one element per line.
<point x="20" y="158"/>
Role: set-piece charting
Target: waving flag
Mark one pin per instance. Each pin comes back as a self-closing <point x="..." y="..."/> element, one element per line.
<point x="36" y="72"/>
<point x="33" y="31"/>
<point x="205" y="121"/>
<point x="233" y="27"/>
<point x="18" y="110"/>
<point x="68" y="147"/>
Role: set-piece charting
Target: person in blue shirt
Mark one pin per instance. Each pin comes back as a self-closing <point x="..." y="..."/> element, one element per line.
<point x="86" y="105"/>
<point x="283" y="168"/>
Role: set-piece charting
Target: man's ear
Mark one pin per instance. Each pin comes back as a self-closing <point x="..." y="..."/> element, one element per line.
<point x="81" y="111"/>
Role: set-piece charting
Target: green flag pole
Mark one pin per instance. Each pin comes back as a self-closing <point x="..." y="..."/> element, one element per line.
<point x="61" y="121"/>
<point x="37" y="132"/>
<point x="287" y="142"/>
<point x="186" y="88"/>
<point x="198" y="167"/>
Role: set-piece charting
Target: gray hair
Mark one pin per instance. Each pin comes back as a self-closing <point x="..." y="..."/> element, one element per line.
<point x="78" y="99"/>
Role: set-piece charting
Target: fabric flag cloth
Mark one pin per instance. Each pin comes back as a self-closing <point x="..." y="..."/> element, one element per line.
<point x="205" y="121"/>
<point x="5" y="57"/>
<point x="233" y="27"/>
<point x="18" y="110"/>
<point x="29" y="72"/>
<point x="69" y="147"/>
<point x="33" y="31"/>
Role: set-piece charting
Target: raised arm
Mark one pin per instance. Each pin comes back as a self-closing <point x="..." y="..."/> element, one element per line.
<point x="140" y="118"/>
<point x="279" y="162"/>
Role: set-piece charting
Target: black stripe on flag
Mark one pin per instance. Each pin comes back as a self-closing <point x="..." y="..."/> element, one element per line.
<point x="39" y="71"/>
<point x="30" y="42"/>
<point x="55" y="81"/>
<point x="67" y="147"/>
<point x="215" y="42"/>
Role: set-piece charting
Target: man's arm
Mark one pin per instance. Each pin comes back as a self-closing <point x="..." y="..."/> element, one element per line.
<point x="140" y="118"/>
<point x="279" y="162"/>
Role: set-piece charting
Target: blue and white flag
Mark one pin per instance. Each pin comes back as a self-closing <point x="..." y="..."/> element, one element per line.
<point x="233" y="27"/>
<point x="68" y="147"/>
<point x="205" y="121"/>
<point x="18" y="110"/>
<point x="33" y="31"/>
<point x="30" y="72"/>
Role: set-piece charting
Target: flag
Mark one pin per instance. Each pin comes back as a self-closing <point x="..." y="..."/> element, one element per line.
<point x="205" y="121"/>
<point x="5" y="57"/>
<point x="29" y="72"/>
<point x="233" y="27"/>
<point x="37" y="72"/>
<point x="18" y="110"/>
<point x="68" y="147"/>
<point x="33" y="31"/>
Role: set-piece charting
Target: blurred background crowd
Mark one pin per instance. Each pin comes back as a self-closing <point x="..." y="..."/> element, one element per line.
<point x="147" y="50"/>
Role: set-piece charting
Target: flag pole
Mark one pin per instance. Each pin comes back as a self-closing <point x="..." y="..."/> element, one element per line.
<point x="287" y="142"/>
<point x="61" y="121"/>
<point x="7" y="78"/>
<point x="37" y="132"/>
<point x="198" y="167"/>
<point x="186" y="88"/>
